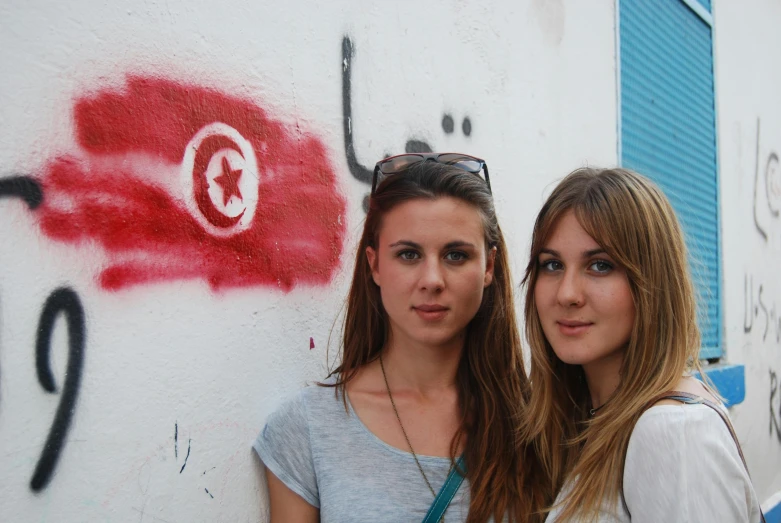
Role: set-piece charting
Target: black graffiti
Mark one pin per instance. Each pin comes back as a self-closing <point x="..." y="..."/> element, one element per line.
<point x="772" y="175"/>
<point x="24" y="187"/>
<point x="448" y="125"/>
<point x="62" y="301"/>
<point x="770" y="167"/>
<point x="466" y="126"/>
<point x="189" y="443"/>
<point x="358" y="171"/>
<point x="775" y="414"/>
<point x="754" y="308"/>
<point x="749" y="309"/>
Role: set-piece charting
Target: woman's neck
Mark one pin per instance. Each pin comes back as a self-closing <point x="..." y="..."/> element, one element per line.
<point x="603" y="377"/>
<point x="420" y="368"/>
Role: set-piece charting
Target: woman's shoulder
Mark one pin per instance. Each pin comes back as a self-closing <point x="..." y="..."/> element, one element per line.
<point x="669" y="415"/>
<point x="320" y="397"/>
<point x="673" y="439"/>
<point x="673" y="419"/>
<point x="299" y="420"/>
<point x="681" y="454"/>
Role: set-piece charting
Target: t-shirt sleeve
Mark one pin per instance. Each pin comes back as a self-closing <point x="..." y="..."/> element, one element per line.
<point x="285" y="448"/>
<point x="684" y="466"/>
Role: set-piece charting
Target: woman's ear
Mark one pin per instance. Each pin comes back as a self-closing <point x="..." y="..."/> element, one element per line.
<point x="371" y="258"/>
<point x="489" y="267"/>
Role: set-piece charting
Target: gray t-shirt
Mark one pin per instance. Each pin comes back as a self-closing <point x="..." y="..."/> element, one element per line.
<point x="327" y="456"/>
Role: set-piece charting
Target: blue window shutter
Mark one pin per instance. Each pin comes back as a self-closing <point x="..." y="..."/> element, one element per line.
<point x="668" y="131"/>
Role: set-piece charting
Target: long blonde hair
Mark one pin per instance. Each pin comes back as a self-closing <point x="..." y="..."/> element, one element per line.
<point x="632" y="220"/>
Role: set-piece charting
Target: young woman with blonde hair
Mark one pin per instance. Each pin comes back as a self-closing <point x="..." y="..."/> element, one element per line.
<point x="431" y="383"/>
<point x="612" y="326"/>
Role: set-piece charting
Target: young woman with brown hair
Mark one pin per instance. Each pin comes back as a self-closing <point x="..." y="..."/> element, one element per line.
<point x="612" y="326"/>
<point x="431" y="383"/>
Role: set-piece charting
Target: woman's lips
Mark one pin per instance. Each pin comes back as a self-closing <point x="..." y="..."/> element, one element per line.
<point x="431" y="312"/>
<point x="573" y="328"/>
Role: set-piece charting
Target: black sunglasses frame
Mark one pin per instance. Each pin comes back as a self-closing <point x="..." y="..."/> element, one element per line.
<point x="432" y="157"/>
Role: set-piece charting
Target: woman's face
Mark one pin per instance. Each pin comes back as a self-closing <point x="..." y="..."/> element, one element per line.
<point x="582" y="296"/>
<point x="431" y="265"/>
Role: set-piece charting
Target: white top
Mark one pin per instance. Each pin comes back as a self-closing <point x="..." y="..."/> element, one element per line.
<point x="681" y="465"/>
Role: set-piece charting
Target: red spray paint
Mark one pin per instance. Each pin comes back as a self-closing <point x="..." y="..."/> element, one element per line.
<point x="120" y="191"/>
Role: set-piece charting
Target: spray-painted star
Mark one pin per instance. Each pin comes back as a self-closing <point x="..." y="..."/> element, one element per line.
<point x="229" y="181"/>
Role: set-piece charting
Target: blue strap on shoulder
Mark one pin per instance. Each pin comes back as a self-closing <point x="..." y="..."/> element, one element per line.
<point x="446" y="493"/>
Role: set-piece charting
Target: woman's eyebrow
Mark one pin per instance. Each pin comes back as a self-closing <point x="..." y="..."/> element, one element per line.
<point x="458" y="243"/>
<point x="592" y="252"/>
<point x="405" y="243"/>
<point x="586" y="254"/>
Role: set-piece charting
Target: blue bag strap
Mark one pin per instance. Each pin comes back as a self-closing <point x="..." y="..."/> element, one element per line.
<point x="446" y="493"/>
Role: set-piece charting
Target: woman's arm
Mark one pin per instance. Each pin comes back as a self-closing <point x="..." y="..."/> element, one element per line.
<point x="285" y="449"/>
<point x="286" y="505"/>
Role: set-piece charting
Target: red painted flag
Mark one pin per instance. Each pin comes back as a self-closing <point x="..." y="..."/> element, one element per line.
<point x="178" y="181"/>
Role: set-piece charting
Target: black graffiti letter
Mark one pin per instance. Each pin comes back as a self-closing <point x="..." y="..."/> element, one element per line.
<point x="22" y="187"/>
<point x="771" y="160"/>
<point x="65" y="301"/>
<point x="760" y="230"/>
<point x="358" y="171"/>
<point x="773" y="392"/>
<point x="764" y="310"/>
<point x="748" y="303"/>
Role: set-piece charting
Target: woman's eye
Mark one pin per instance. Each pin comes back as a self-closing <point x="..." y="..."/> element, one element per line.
<point x="601" y="267"/>
<point x="456" y="256"/>
<point x="408" y="255"/>
<point x="551" y="265"/>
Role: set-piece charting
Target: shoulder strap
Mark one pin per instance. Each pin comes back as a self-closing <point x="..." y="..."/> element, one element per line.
<point x="688" y="398"/>
<point x="446" y="493"/>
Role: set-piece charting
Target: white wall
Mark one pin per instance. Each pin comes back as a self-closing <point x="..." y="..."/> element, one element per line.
<point x="748" y="47"/>
<point x="172" y="362"/>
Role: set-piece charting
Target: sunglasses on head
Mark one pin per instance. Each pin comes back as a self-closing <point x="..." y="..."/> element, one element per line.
<point x="402" y="162"/>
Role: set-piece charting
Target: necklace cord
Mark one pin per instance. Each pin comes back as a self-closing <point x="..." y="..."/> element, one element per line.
<point x="409" y="444"/>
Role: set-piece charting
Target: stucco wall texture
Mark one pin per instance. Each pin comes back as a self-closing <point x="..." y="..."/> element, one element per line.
<point x="182" y="187"/>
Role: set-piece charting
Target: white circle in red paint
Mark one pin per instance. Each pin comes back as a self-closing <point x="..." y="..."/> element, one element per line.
<point x="220" y="179"/>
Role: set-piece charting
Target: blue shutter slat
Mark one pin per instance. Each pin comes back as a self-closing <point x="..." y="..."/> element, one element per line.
<point x="668" y="131"/>
<point x="705" y="4"/>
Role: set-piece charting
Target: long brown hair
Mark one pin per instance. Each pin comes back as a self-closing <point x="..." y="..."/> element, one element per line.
<point x="492" y="385"/>
<point x="632" y="220"/>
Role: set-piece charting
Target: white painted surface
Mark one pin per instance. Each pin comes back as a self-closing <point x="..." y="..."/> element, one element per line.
<point x="748" y="43"/>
